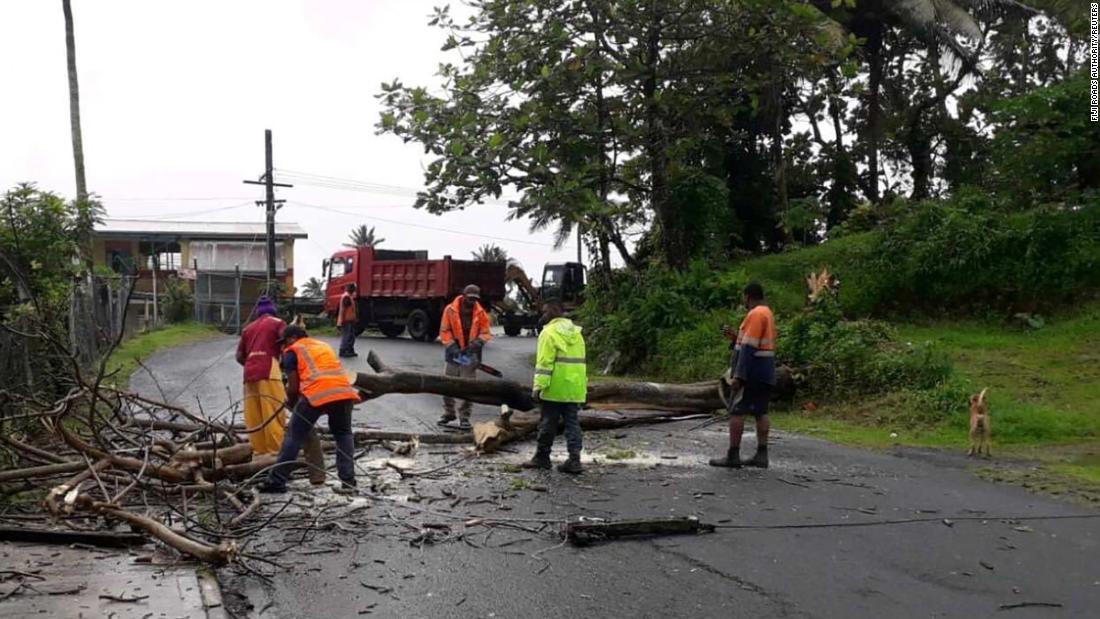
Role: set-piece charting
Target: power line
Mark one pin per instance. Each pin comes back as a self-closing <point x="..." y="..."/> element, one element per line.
<point x="219" y="209"/>
<point x="177" y="199"/>
<point x="349" y="184"/>
<point x="421" y="226"/>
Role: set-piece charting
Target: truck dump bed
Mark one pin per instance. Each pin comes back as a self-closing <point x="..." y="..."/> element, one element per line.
<point x="427" y="279"/>
<point x="403" y="290"/>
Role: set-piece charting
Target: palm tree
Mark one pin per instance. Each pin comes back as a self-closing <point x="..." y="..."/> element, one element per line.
<point x="490" y="252"/>
<point x="362" y="236"/>
<point x="88" y="211"/>
<point x="74" y="102"/>
<point x="313" y="289"/>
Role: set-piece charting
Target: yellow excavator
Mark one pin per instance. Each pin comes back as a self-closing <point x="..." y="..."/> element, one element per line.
<point x="562" y="281"/>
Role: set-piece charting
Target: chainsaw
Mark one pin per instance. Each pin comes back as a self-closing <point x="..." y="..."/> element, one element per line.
<point x="465" y="360"/>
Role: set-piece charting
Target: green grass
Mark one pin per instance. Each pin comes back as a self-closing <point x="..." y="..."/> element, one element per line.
<point x="124" y="362"/>
<point x="1044" y="385"/>
<point x="1044" y="393"/>
<point x="1044" y="388"/>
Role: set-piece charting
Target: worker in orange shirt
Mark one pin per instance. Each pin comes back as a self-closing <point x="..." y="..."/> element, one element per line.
<point x="318" y="385"/>
<point x="347" y="320"/>
<point x="752" y="378"/>
<point x="464" y="330"/>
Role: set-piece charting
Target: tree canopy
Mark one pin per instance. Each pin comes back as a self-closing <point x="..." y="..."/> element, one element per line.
<point x="668" y="130"/>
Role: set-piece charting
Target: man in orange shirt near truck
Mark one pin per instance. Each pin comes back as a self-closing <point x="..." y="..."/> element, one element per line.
<point x="464" y="330"/>
<point x="753" y="375"/>
<point x="347" y="319"/>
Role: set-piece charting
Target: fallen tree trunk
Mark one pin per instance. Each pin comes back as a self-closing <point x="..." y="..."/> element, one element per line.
<point x="696" y="397"/>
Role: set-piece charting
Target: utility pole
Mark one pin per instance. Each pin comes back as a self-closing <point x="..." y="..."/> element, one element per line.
<point x="270" y="204"/>
<point x="579" y="244"/>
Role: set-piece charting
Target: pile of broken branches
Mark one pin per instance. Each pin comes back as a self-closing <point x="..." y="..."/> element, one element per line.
<point x="109" y="457"/>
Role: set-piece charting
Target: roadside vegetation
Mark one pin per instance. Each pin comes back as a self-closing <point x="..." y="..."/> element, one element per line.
<point x="993" y="286"/>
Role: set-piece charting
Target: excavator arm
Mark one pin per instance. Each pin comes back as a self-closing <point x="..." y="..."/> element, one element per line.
<point x="515" y="274"/>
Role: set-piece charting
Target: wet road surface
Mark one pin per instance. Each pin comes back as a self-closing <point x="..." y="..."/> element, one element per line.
<point x="825" y="532"/>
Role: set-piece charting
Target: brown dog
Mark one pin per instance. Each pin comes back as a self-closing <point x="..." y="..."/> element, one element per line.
<point x="980" y="429"/>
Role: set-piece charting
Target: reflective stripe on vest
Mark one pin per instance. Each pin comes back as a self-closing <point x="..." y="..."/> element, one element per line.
<point x="322" y="379"/>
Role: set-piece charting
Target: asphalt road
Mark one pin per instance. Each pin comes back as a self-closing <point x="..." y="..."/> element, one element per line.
<point x="814" y="536"/>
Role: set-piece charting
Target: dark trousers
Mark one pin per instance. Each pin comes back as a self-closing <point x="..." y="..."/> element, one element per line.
<point x="302" y="421"/>
<point x="347" y="338"/>
<point x="552" y="414"/>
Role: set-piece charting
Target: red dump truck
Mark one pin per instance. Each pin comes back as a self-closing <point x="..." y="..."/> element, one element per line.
<point x="404" y="290"/>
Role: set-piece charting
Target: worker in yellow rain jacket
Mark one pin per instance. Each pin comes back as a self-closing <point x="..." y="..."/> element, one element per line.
<point x="752" y="379"/>
<point x="561" y="388"/>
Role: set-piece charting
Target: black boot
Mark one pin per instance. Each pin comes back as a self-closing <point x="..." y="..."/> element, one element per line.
<point x="760" y="460"/>
<point x="541" y="462"/>
<point x="731" y="461"/>
<point x="572" y="465"/>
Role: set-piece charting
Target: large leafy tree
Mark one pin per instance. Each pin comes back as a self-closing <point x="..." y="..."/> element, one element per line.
<point x="39" y="234"/>
<point x="889" y="30"/>
<point x="596" y="110"/>
<point x="363" y="236"/>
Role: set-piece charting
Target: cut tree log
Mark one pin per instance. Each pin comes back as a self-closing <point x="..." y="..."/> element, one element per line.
<point x="583" y="532"/>
<point x="109" y="539"/>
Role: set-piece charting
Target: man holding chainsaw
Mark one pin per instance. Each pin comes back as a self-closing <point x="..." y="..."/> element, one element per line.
<point x="464" y="330"/>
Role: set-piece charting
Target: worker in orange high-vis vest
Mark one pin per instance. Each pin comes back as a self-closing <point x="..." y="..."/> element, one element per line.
<point x="464" y="330"/>
<point x="317" y="385"/>
<point x="347" y="320"/>
<point x="752" y="379"/>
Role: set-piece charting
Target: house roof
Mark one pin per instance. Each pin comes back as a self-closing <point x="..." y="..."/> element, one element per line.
<point x="145" y="228"/>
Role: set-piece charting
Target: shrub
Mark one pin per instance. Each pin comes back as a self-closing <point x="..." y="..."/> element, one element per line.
<point x="839" y="357"/>
<point x="970" y="255"/>
<point x="177" y="304"/>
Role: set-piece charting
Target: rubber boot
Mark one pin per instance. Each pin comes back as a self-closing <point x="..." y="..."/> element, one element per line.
<point x="731" y="461"/>
<point x="346" y="487"/>
<point x="572" y="465"/>
<point x="270" y="487"/>
<point x="538" y="461"/>
<point x="760" y="460"/>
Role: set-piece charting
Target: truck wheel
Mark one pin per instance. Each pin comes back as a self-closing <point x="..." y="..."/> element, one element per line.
<point x="512" y="330"/>
<point x="391" y="330"/>
<point x="419" y="325"/>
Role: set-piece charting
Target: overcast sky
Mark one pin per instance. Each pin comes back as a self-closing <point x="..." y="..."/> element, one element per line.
<point x="175" y="97"/>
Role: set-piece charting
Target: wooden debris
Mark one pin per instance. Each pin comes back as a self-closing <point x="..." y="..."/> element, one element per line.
<point x="107" y="539"/>
<point x="583" y="532"/>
